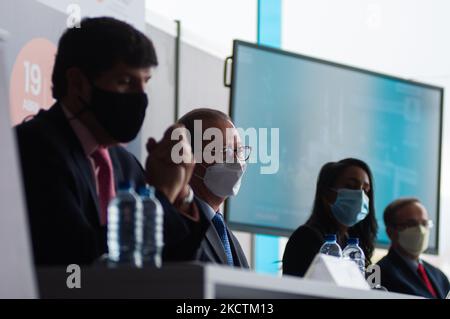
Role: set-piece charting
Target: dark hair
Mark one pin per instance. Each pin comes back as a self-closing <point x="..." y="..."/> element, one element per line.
<point x="97" y="46"/>
<point x="321" y="217"/>
<point x="390" y="211"/>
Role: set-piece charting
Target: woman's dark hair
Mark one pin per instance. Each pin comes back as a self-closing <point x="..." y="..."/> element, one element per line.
<point x="321" y="217"/>
<point x="97" y="46"/>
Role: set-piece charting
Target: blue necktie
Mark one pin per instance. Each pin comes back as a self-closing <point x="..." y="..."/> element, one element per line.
<point x="219" y="224"/>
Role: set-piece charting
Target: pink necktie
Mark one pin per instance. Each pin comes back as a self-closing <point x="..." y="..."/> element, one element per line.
<point x="105" y="181"/>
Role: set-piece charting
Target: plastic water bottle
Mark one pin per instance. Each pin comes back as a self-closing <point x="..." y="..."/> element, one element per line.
<point x="353" y="252"/>
<point x="331" y="247"/>
<point x="125" y="228"/>
<point x="153" y="232"/>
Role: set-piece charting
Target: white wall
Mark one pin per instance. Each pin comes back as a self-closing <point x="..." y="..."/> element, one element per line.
<point x="216" y="22"/>
<point x="406" y="38"/>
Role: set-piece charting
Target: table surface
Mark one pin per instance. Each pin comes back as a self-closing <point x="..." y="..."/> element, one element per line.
<point x="192" y="280"/>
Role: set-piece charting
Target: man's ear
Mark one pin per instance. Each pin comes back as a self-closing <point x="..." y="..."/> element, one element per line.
<point x="77" y="83"/>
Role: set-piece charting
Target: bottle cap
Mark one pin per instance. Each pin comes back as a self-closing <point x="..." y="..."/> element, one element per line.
<point x="330" y="237"/>
<point x="146" y="191"/>
<point x="353" y="241"/>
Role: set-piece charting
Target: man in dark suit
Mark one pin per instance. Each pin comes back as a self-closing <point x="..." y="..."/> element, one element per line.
<point x="217" y="176"/>
<point x="71" y="157"/>
<point x="402" y="270"/>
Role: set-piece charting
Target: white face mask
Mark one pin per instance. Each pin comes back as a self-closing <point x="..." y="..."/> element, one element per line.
<point x="414" y="240"/>
<point x="224" y="179"/>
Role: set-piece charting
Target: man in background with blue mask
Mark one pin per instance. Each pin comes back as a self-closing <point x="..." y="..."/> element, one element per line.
<point x="402" y="270"/>
<point x="214" y="180"/>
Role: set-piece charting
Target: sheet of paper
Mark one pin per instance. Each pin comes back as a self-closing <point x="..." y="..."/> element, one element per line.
<point x="341" y="272"/>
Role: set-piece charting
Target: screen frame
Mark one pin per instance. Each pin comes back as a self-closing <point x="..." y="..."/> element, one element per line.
<point x="276" y="231"/>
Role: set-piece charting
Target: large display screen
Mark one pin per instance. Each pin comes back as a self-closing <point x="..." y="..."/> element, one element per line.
<point x="327" y="112"/>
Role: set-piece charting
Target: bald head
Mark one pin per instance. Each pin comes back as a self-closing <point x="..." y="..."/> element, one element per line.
<point x="210" y="133"/>
<point x="209" y="127"/>
<point x="209" y="118"/>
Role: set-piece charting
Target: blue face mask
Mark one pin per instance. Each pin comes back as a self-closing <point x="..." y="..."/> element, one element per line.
<point x="351" y="206"/>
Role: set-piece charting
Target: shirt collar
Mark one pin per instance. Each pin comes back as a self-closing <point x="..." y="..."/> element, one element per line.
<point x="87" y="140"/>
<point x="206" y="208"/>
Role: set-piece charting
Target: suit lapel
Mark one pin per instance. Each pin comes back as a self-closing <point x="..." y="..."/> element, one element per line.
<point x="212" y="245"/>
<point x="434" y="281"/>
<point x="413" y="275"/>
<point x="80" y="161"/>
<point x="236" y="248"/>
<point x="215" y="243"/>
<point x="85" y="168"/>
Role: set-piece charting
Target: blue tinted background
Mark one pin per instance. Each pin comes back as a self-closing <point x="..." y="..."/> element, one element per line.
<point x="326" y="113"/>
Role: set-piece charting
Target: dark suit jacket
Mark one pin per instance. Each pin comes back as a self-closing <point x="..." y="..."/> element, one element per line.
<point x="211" y="248"/>
<point x="397" y="276"/>
<point x="62" y="200"/>
<point x="301" y="248"/>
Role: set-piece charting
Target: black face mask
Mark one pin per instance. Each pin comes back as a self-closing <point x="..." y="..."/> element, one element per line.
<point x="120" y="114"/>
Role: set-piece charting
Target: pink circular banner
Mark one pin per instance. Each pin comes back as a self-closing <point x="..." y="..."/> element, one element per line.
<point x="30" y="85"/>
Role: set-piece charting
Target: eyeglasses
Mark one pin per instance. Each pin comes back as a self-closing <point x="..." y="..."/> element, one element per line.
<point x="425" y="223"/>
<point x="241" y="153"/>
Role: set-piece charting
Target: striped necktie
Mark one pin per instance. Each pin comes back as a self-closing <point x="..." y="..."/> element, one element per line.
<point x="219" y="224"/>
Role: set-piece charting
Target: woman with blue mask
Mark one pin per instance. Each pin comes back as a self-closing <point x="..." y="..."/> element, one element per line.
<point x="344" y="206"/>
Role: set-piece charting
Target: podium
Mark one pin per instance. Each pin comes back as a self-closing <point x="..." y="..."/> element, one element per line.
<point x="192" y="281"/>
